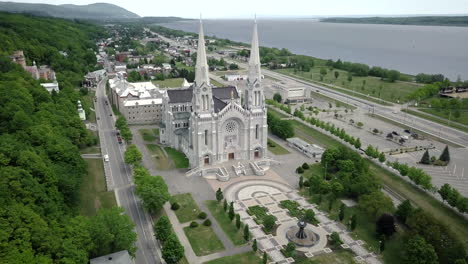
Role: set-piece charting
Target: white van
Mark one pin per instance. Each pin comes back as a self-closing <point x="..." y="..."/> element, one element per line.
<point x="106" y="158"/>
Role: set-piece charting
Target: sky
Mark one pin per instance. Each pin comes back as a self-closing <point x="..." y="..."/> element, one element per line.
<point x="275" y="8"/>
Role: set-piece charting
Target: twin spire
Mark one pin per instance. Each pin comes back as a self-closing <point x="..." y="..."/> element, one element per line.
<point x="201" y="67"/>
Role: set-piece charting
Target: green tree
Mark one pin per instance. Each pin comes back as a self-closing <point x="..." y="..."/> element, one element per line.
<point x="152" y="190"/>
<point x="265" y="257"/>
<point x="445" y="156"/>
<point x="353" y="222"/>
<point x="426" y="159"/>
<point x="357" y="143"/>
<point x="269" y="222"/>
<point x="246" y="232"/>
<point x="385" y="225"/>
<point x="335" y="239"/>
<point x="172" y="251"/>
<point x="382" y="157"/>
<point x="219" y="195"/>
<point x="162" y="229"/>
<point x="309" y="216"/>
<point x="238" y="221"/>
<point x="417" y="251"/>
<point x="132" y="155"/>
<point x="375" y="203"/>
<point x="301" y="182"/>
<point x="404" y="210"/>
<point x="290" y="250"/>
<point x="225" y="205"/>
<point x="277" y="97"/>
<point x="342" y="212"/>
<point x="231" y="211"/>
<point x="337" y="74"/>
<point x="254" y="245"/>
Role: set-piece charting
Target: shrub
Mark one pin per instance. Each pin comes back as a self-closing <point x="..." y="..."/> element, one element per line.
<point x="305" y="166"/>
<point x="300" y="170"/>
<point x="193" y="224"/>
<point x="202" y="215"/>
<point x="335" y="239"/>
<point x="269" y="222"/>
<point x="175" y="206"/>
<point x="207" y="222"/>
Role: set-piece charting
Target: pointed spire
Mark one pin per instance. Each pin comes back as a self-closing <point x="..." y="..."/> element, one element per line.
<point x="254" y="62"/>
<point x="201" y="68"/>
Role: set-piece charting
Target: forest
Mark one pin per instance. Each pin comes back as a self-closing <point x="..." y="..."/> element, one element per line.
<point x="40" y="137"/>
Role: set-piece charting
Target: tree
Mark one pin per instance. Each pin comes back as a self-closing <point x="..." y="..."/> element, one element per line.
<point x="231" y="211"/>
<point x="357" y="143"/>
<point x="445" y="191"/>
<point x="305" y="166"/>
<point x="426" y="159"/>
<point x="353" y="222"/>
<point x="269" y="222"/>
<point x="152" y="190"/>
<point x="290" y="250"/>
<point x="417" y="251"/>
<point x="393" y="75"/>
<point x="132" y="155"/>
<point x="162" y="229"/>
<point x="112" y="231"/>
<point x="265" y="257"/>
<point x="254" y="245"/>
<point x="375" y="203"/>
<point x="335" y="239"/>
<point x="309" y="216"/>
<point x="172" y="250"/>
<point x="238" y="221"/>
<point x="246" y="232"/>
<point x="337" y="74"/>
<point x="445" y="156"/>
<point x="404" y="210"/>
<point x="299" y="170"/>
<point x="342" y="212"/>
<point x="277" y="97"/>
<point x="350" y="77"/>
<point x="360" y="124"/>
<point x="382" y="157"/>
<point x="382" y="244"/>
<point x="301" y="182"/>
<point x="219" y="195"/>
<point x="385" y="225"/>
<point x="225" y="205"/>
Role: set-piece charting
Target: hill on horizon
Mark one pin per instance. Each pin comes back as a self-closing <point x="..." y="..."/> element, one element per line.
<point x="96" y="11"/>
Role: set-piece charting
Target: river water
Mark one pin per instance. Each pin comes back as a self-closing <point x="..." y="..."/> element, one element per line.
<point x="409" y="49"/>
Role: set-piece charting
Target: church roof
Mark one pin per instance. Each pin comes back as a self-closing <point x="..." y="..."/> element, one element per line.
<point x="224" y="93"/>
<point x="185" y="95"/>
<point x="218" y="104"/>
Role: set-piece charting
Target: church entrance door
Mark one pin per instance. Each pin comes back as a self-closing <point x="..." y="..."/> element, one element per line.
<point x="207" y="160"/>
<point x="231" y="156"/>
<point x="257" y="154"/>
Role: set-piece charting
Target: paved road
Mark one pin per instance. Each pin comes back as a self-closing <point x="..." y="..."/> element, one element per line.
<point x="391" y="112"/>
<point x="120" y="180"/>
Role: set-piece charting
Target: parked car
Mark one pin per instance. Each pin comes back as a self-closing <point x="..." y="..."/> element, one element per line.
<point x="119" y="139"/>
<point x="407" y="131"/>
<point x="395" y="133"/>
<point x="106" y="158"/>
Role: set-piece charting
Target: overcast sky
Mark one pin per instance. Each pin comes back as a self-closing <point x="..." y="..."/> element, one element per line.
<point x="269" y="8"/>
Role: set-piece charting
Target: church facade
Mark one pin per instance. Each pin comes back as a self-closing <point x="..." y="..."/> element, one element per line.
<point x="212" y="125"/>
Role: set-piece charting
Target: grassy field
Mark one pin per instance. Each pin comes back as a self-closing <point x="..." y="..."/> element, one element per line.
<point x="228" y="226"/>
<point x="326" y="98"/>
<point x="181" y="65"/>
<point x="244" y="258"/>
<point x="216" y="83"/>
<point x="88" y="102"/>
<point x="162" y="163"/>
<point x="276" y="113"/>
<point x="180" y="160"/>
<point x="452" y="219"/>
<point x="203" y="240"/>
<point x="170" y="83"/>
<point x="454" y="122"/>
<point x="336" y="257"/>
<point x="188" y="210"/>
<point x="276" y="148"/>
<point x="393" y="92"/>
<point x="147" y="134"/>
<point x="93" y="194"/>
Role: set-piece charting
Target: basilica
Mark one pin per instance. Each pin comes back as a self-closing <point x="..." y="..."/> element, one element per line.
<point x="212" y="125"/>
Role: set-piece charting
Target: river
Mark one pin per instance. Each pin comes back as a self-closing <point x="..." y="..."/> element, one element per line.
<point x="409" y="49"/>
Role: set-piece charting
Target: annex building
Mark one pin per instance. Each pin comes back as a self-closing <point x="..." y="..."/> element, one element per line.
<point x="214" y="125"/>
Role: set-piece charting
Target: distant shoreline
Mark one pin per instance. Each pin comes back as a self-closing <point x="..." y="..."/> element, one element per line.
<point x="451" y="21"/>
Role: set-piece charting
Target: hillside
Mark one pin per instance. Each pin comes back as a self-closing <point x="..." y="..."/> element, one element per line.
<point x="97" y="11"/>
<point x="40" y="136"/>
<point x="461" y="21"/>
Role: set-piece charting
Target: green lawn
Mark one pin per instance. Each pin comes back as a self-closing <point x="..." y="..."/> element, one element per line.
<point x="454" y="122"/>
<point x="389" y="91"/>
<point x="180" y="160"/>
<point x="181" y="65"/>
<point x="170" y="83"/>
<point x="228" y="226"/>
<point x="188" y="210"/>
<point x="276" y="112"/>
<point x="336" y="257"/>
<point x="244" y="258"/>
<point x="216" y="83"/>
<point x="162" y="163"/>
<point x="87" y="101"/>
<point x="203" y="240"/>
<point x="147" y="134"/>
<point x="326" y="98"/>
<point x="93" y="194"/>
<point x="276" y="148"/>
<point x="314" y="169"/>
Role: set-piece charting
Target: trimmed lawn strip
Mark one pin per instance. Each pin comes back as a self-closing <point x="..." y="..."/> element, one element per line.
<point x="452" y="219"/>
<point x="228" y="226"/>
<point x="147" y="134"/>
<point x="243" y="258"/>
<point x="93" y="193"/>
<point x="276" y="148"/>
<point x="275" y="112"/>
<point x="180" y="160"/>
<point x="169" y="83"/>
<point x="188" y="210"/>
<point x="326" y="98"/>
<point x="452" y="123"/>
<point x="203" y="240"/>
<point x="336" y="257"/>
<point x="162" y="163"/>
<point x="445" y="114"/>
<point x="88" y="102"/>
<point x="216" y="83"/>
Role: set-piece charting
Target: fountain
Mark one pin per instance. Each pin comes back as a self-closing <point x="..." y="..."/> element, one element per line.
<point x="302" y="236"/>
